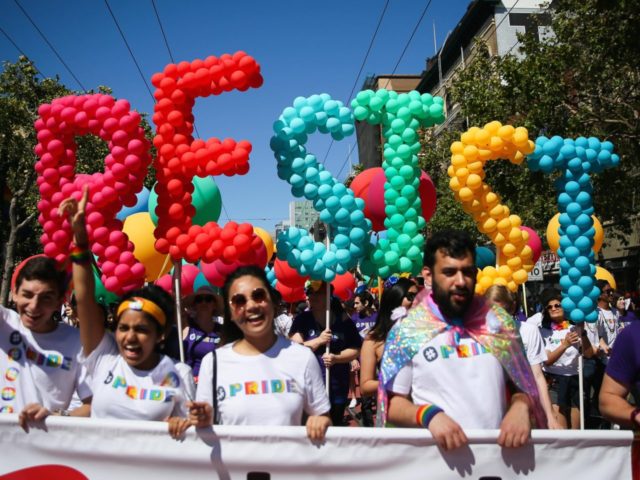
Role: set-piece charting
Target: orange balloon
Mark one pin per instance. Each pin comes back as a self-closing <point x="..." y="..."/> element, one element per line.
<point x="553" y="237"/>
<point x="139" y="228"/>
<point x="603" y="274"/>
<point x="266" y="238"/>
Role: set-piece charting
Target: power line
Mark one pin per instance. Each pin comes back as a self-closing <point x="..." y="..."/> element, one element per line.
<point x="415" y="29"/>
<point x="364" y="61"/>
<point x="130" y="51"/>
<point x="49" y="44"/>
<point x="166" y="42"/>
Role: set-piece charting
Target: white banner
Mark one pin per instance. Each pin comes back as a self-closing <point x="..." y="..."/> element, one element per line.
<point x="71" y="449"/>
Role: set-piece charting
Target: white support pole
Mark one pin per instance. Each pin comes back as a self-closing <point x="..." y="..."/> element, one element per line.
<point x="327" y="348"/>
<point x="177" y="294"/>
<point x="524" y="299"/>
<point x="581" y="387"/>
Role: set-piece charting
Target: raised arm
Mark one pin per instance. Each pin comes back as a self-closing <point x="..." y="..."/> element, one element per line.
<point x="90" y="315"/>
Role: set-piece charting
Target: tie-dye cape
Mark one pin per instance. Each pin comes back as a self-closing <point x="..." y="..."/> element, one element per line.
<point x="490" y="326"/>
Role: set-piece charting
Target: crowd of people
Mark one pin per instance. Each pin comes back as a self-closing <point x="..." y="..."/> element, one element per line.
<point x="426" y="353"/>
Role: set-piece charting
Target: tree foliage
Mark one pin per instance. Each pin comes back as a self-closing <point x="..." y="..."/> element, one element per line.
<point x="582" y="79"/>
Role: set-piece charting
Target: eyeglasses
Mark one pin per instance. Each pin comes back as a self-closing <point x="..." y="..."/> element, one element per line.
<point x="410" y="296"/>
<point x="239" y="300"/>
<point x="203" y="299"/>
<point x="555" y="306"/>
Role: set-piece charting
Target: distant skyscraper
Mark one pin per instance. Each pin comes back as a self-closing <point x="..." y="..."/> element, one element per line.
<point x="302" y="214"/>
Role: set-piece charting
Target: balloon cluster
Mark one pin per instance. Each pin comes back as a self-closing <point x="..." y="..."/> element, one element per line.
<point x="180" y="157"/>
<point x="338" y="206"/>
<point x="125" y="168"/>
<point x="469" y="155"/>
<point x="576" y="160"/>
<point x="369" y="185"/>
<point x="401" y="115"/>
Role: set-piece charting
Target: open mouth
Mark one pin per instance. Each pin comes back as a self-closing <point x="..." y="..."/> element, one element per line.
<point x="132" y="352"/>
<point x="254" y="318"/>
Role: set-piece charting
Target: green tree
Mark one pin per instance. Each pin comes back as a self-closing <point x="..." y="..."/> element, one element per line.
<point x="582" y="80"/>
<point x="21" y="93"/>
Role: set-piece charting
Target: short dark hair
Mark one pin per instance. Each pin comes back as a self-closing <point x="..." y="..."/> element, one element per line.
<point x="230" y="331"/>
<point x="454" y="243"/>
<point x="44" y="269"/>
<point x="600" y="283"/>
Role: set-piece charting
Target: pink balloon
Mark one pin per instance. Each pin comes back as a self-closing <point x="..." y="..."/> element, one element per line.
<point x="189" y="274"/>
<point x="534" y="242"/>
<point x="211" y="273"/>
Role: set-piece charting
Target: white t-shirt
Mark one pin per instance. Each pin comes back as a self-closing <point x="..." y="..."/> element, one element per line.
<point x="123" y="392"/>
<point x="533" y="344"/>
<point x="466" y="381"/>
<point x="38" y="367"/>
<point x="567" y="364"/>
<point x="282" y="324"/>
<point x="535" y="320"/>
<point x="272" y="388"/>
<point x="608" y="325"/>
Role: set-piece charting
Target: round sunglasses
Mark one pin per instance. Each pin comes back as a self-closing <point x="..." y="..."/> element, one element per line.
<point x="239" y="300"/>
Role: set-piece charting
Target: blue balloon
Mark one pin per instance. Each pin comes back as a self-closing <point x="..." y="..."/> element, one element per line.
<point x="485" y="257"/>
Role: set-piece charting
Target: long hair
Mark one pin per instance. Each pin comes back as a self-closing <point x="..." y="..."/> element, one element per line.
<point x="230" y="331"/>
<point x="391" y="299"/>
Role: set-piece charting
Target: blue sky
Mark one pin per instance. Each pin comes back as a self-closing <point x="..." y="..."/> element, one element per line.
<point x="304" y="48"/>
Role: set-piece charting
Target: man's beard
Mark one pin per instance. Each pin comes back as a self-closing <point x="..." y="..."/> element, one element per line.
<point x="447" y="306"/>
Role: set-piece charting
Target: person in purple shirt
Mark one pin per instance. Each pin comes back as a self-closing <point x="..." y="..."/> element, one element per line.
<point x="201" y="335"/>
<point x="621" y="377"/>
<point x="309" y="329"/>
<point x="365" y="314"/>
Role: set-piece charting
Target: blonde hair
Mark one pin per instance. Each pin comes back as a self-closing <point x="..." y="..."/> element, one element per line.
<point x="502" y="296"/>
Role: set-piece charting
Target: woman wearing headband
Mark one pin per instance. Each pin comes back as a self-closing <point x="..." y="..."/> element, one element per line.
<point x="130" y="378"/>
<point x="259" y="378"/>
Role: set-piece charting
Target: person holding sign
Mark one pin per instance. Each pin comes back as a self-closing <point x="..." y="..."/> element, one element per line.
<point x="258" y="377"/>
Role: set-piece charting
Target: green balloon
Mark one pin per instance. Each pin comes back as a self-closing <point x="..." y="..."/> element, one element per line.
<point x="103" y="296"/>
<point x="206" y="199"/>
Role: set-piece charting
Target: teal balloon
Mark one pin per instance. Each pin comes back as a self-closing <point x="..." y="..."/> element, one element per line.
<point x="485" y="257"/>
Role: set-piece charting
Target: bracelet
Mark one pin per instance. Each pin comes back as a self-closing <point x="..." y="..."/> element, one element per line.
<point x="61" y="412"/>
<point x="425" y="414"/>
<point x="80" y="255"/>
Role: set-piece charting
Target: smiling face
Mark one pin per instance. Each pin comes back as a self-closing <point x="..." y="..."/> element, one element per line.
<point x="251" y="307"/>
<point x="137" y="337"/>
<point x="453" y="281"/>
<point x="36" y="302"/>
<point x="555" y="310"/>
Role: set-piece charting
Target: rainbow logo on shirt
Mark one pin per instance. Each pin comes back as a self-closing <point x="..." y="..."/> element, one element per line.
<point x="263" y="387"/>
<point x="11" y="374"/>
<point x="8" y="393"/>
<point x="136" y="393"/>
<point x="6" y="409"/>
<point x="171" y="380"/>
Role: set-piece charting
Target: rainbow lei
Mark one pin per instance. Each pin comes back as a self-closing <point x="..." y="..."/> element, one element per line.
<point x="492" y="327"/>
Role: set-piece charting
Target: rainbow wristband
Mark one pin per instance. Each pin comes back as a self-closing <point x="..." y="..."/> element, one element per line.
<point x="425" y="414"/>
<point x="80" y="255"/>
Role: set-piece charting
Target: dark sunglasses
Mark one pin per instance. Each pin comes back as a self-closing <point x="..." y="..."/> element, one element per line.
<point x="239" y="300"/>
<point x="555" y="306"/>
<point x="608" y="292"/>
<point x="410" y="296"/>
<point x="203" y="299"/>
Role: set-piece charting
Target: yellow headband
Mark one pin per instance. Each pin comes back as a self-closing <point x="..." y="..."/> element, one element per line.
<point x="140" y="304"/>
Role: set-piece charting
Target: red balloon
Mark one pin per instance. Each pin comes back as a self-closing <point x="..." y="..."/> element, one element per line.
<point x="287" y="275"/>
<point x="344" y="286"/>
<point x="291" y="294"/>
<point x="427" y="192"/>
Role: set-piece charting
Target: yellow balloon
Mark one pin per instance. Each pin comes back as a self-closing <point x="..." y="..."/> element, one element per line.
<point x="553" y="237"/>
<point x="603" y="274"/>
<point x="139" y="228"/>
<point x="266" y="238"/>
<point x="598" y="238"/>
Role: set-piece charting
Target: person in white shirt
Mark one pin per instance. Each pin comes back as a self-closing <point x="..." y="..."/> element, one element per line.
<point x="258" y="377"/>
<point x="130" y="378"/>
<point x="533" y="347"/>
<point x="39" y="357"/>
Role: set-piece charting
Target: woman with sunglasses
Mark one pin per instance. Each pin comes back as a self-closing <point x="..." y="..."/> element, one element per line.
<point x="130" y="378"/>
<point x="201" y="335"/>
<point x="563" y="344"/>
<point x="398" y="294"/>
<point x="259" y="378"/>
